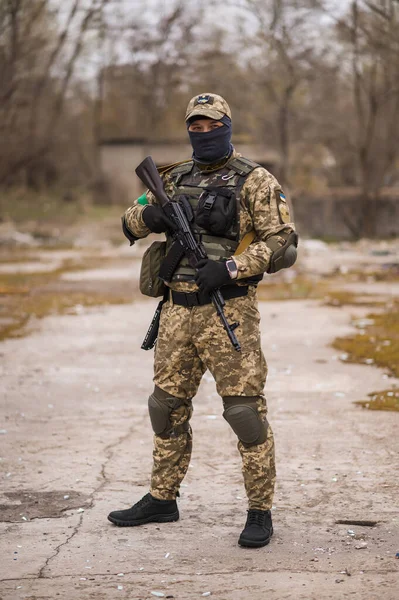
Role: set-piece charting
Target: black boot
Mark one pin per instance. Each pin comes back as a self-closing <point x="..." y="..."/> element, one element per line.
<point x="258" y="529"/>
<point x="146" y="510"/>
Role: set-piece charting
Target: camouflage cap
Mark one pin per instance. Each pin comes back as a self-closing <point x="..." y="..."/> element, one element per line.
<point x="208" y="105"/>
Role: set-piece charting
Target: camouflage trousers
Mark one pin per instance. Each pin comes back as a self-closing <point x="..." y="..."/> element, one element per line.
<point x="190" y="341"/>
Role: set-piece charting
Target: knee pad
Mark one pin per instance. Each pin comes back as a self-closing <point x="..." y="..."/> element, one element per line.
<point x="160" y="407"/>
<point x="241" y="413"/>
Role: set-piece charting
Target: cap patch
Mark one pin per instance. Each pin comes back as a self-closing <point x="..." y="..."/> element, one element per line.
<point x="204" y="99"/>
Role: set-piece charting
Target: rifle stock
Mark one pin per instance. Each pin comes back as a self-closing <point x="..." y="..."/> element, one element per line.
<point x="148" y="173"/>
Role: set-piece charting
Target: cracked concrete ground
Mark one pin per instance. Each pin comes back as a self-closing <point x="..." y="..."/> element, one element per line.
<point x="76" y="443"/>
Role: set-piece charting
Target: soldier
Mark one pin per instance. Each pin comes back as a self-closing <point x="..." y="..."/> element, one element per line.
<point x="235" y="201"/>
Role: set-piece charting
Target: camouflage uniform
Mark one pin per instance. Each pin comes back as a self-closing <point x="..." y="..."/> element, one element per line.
<point x="263" y="208"/>
<point x="192" y="340"/>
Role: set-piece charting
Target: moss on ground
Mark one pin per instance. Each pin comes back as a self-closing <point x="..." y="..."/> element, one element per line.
<point x="377" y="342"/>
<point x="384" y="400"/>
<point x="299" y="289"/>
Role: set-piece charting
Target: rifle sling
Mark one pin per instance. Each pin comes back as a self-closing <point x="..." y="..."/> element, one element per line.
<point x="245" y="242"/>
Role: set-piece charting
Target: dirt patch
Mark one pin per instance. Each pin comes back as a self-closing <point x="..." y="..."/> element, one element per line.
<point x="31" y="504"/>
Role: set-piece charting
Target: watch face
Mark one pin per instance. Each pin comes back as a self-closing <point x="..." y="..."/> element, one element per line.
<point x="232" y="268"/>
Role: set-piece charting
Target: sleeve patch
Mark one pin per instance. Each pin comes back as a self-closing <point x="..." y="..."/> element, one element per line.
<point x="283" y="210"/>
<point x="142" y="200"/>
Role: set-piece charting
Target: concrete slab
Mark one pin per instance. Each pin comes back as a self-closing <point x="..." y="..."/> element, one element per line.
<point x="74" y="412"/>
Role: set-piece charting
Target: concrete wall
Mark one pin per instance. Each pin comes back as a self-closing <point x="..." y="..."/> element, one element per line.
<point x="119" y="160"/>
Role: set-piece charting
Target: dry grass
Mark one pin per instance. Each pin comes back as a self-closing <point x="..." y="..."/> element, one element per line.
<point x="340" y="298"/>
<point x="26" y="297"/>
<point x="55" y="222"/>
<point x="387" y="272"/>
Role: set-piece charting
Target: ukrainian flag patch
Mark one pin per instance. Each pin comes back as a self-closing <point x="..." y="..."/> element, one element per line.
<point x="282" y="206"/>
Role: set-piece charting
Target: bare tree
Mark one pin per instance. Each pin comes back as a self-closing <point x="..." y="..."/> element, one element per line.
<point x="287" y="52"/>
<point x="372" y="33"/>
<point x="328" y="102"/>
<point x="37" y="63"/>
<point x="142" y="96"/>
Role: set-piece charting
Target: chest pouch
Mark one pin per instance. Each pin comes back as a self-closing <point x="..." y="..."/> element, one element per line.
<point x="150" y="283"/>
<point x="216" y="210"/>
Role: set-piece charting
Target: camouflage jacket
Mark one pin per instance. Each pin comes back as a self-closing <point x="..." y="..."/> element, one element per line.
<point x="263" y="209"/>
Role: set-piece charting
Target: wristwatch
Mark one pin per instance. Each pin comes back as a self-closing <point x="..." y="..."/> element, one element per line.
<point x="232" y="268"/>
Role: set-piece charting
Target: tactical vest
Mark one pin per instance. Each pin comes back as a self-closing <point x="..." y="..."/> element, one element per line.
<point x="190" y="181"/>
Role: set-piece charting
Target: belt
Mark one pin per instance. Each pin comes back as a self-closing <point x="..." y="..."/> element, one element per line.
<point x="199" y="298"/>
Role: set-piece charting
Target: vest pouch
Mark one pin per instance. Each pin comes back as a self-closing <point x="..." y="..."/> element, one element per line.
<point x="216" y="210"/>
<point x="150" y="283"/>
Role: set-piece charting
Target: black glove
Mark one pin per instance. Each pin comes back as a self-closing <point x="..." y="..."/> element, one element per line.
<point x="130" y="236"/>
<point x="211" y="274"/>
<point x="156" y="220"/>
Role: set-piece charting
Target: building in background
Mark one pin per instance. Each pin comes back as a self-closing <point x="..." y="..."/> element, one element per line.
<point x="120" y="156"/>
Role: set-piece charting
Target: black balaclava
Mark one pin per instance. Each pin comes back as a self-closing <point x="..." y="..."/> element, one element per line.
<point x="211" y="146"/>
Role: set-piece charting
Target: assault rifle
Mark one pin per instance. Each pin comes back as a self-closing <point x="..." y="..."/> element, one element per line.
<point x="184" y="240"/>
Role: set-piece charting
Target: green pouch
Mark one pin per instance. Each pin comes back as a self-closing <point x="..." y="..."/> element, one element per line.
<point x="150" y="283"/>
